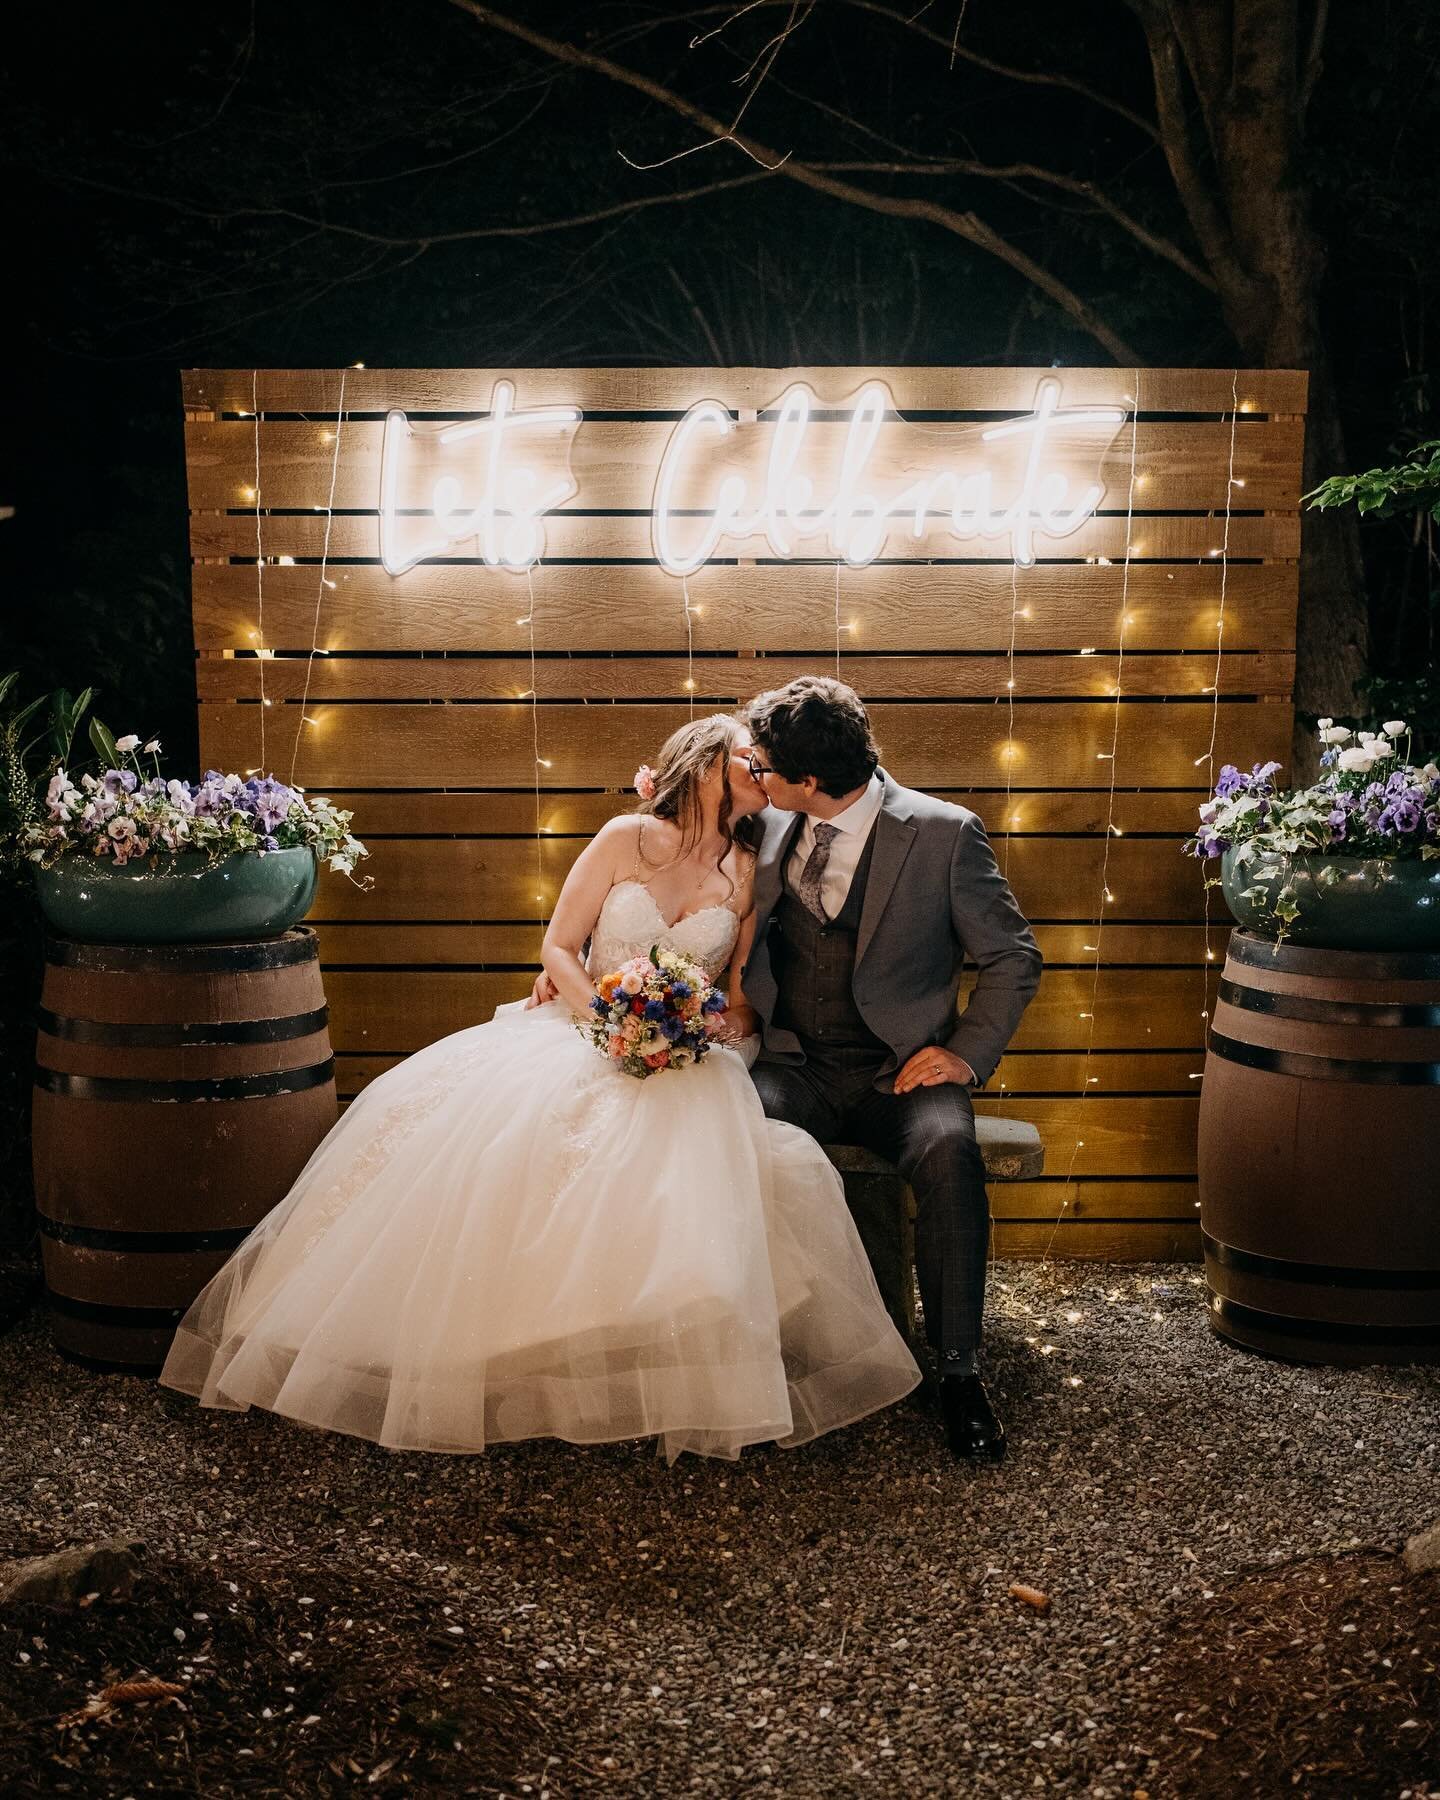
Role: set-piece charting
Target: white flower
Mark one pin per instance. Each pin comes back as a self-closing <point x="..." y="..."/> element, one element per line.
<point x="1323" y="724"/>
<point x="1357" y="757"/>
<point x="1431" y="771"/>
<point x="1381" y="748"/>
<point x="1335" y="734"/>
<point x="1395" y="728"/>
<point x="153" y="746"/>
<point x="127" y="743"/>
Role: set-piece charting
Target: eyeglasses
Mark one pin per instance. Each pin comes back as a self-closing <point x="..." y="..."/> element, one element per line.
<point x="757" y="768"/>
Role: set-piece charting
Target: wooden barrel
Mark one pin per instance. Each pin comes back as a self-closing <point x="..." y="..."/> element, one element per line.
<point x="1320" y="1154"/>
<point x="179" y="1090"/>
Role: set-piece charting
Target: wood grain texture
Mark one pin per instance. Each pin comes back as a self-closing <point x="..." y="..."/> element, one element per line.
<point x="916" y="388"/>
<point x="930" y="607"/>
<point x="1062" y="744"/>
<point x="1166" y="537"/>
<point x="613" y="464"/>
<point x="385" y="1011"/>
<point x="401" y="813"/>
<point x="426" y="688"/>
<point x="1053" y="878"/>
<point x="404" y="943"/>
<point x="727" y="681"/>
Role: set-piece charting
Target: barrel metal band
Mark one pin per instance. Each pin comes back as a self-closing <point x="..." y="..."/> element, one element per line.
<point x="153" y="1318"/>
<point x="1255" y="1319"/>
<point x="133" y="1035"/>
<point x="1325" y="1068"/>
<point x="1276" y="1268"/>
<point x="298" y="945"/>
<point x="1325" y="1012"/>
<point x="1300" y="959"/>
<point x="92" y="1237"/>
<point x="235" y="1087"/>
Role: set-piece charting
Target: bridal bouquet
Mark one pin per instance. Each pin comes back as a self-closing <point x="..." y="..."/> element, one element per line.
<point x="650" y="1014"/>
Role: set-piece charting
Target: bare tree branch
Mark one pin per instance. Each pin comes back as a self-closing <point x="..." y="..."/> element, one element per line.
<point x="1033" y="77"/>
<point x="426" y="240"/>
<point x="1314" y="56"/>
<point x="1070" y="184"/>
<point x="966" y="225"/>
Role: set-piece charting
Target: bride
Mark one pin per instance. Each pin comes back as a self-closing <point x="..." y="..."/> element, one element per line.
<point x="506" y="1236"/>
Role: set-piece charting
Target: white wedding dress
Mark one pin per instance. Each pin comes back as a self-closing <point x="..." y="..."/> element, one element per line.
<point x="507" y="1237"/>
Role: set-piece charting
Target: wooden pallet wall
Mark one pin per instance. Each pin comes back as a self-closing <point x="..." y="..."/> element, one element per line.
<point x="414" y="716"/>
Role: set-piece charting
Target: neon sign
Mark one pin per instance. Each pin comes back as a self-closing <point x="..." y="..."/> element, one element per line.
<point x="855" y="523"/>
<point x="507" y="521"/>
<point x="960" y="497"/>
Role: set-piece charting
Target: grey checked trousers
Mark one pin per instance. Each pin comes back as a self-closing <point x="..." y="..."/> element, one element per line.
<point x="929" y="1134"/>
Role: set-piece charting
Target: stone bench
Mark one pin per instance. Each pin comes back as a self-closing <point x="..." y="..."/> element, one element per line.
<point x="883" y="1207"/>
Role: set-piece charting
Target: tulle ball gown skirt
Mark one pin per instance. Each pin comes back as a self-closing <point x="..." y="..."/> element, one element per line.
<point x="506" y="1237"/>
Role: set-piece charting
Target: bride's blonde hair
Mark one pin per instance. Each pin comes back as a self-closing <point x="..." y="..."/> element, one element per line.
<point x="686" y="758"/>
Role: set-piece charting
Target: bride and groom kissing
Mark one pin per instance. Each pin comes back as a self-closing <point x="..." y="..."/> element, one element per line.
<point x="507" y="1237"/>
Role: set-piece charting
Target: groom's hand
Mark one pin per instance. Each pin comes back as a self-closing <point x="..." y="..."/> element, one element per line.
<point x="543" y="991"/>
<point x="933" y="1068"/>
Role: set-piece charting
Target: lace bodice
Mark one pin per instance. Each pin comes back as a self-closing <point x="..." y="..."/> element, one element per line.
<point x="630" y="922"/>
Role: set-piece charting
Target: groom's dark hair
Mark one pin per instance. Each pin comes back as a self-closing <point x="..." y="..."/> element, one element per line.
<point x="815" y="726"/>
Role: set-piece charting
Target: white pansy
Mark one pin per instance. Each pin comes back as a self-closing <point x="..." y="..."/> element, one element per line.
<point x="1357" y="758"/>
<point x="127" y="743"/>
<point x="1395" y="728"/>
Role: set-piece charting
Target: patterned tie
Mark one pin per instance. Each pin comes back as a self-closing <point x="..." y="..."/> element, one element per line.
<point x="813" y="874"/>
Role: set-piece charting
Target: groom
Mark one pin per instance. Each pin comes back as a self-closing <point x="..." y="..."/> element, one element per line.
<point x="868" y="897"/>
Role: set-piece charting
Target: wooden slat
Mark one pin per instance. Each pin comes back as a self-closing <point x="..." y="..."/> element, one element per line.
<point x="725" y="681"/>
<point x="613" y="464"/>
<point x="915" y="389"/>
<point x="1080" y="1241"/>
<point x="1062" y="744"/>
<point x="1150" y="1136"/>
<point x="932" y="607"/>
<point x="398" y="813"/>
<point x="404" y="943"/>
<point x="1068" y="1201"/>
<point x="1167" y="537"/>
<point x="449" y="878"/>
<point x="383" y="1011"/>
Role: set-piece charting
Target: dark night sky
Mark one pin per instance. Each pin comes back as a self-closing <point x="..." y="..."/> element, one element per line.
<point x="142" y="146"/>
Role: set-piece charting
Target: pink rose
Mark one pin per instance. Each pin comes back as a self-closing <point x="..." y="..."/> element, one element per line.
<point x="645" y="782"/>
<point x="631" y="982"/>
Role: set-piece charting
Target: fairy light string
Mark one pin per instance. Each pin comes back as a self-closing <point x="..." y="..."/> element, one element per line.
<point x="1209" y="757"/>
<point x="323" y="582"/>
<point x="1112" y="831"/>
<point x="259" y="566"/>
<point x="689" y="641"/>
<point x="539" y="761"/>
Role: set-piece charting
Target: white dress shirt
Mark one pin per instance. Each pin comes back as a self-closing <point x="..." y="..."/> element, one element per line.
<point x="852" y="831"/>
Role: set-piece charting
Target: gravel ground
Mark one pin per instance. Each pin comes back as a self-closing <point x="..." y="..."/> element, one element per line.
<point x="833" y="1620"/>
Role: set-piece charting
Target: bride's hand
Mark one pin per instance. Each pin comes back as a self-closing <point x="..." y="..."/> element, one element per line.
<point x="733" y="1025"/>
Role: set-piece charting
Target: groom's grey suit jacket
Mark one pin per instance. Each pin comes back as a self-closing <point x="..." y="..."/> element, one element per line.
<point x="935" y="897"/>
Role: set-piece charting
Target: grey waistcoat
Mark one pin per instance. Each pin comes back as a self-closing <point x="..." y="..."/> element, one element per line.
<point x="814" y="965"/>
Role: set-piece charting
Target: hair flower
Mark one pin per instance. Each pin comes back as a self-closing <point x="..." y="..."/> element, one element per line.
<point x="645" y="782"/>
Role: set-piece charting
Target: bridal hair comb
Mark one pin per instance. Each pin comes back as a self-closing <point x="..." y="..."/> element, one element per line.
<point x="645" y="782"/>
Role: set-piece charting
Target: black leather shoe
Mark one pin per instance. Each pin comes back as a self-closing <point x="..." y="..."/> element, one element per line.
<point x="972" y="1429"/>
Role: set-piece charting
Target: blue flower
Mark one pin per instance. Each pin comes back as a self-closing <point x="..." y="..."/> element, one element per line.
<point x="1231" y="782"/>
<point x="714" y="1002"/>
<point x="654" y="1009"/>
<point x="682" y="990"/>
<point x="598" y="1005"/>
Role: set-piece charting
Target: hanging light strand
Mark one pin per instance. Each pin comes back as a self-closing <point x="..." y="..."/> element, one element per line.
<point x="320" y="585"/>
<point x="1111" y="831"/>
<point x="689" y="642"/>
<point x="837" y="618"/>
<point x="1209" y="757"/>
<point x="259" y="566"/>
<point x="540" y="762"/>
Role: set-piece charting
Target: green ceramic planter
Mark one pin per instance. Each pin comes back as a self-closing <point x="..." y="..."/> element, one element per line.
<point x="184" y="899"/>
<point x="1373" y="903"/>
